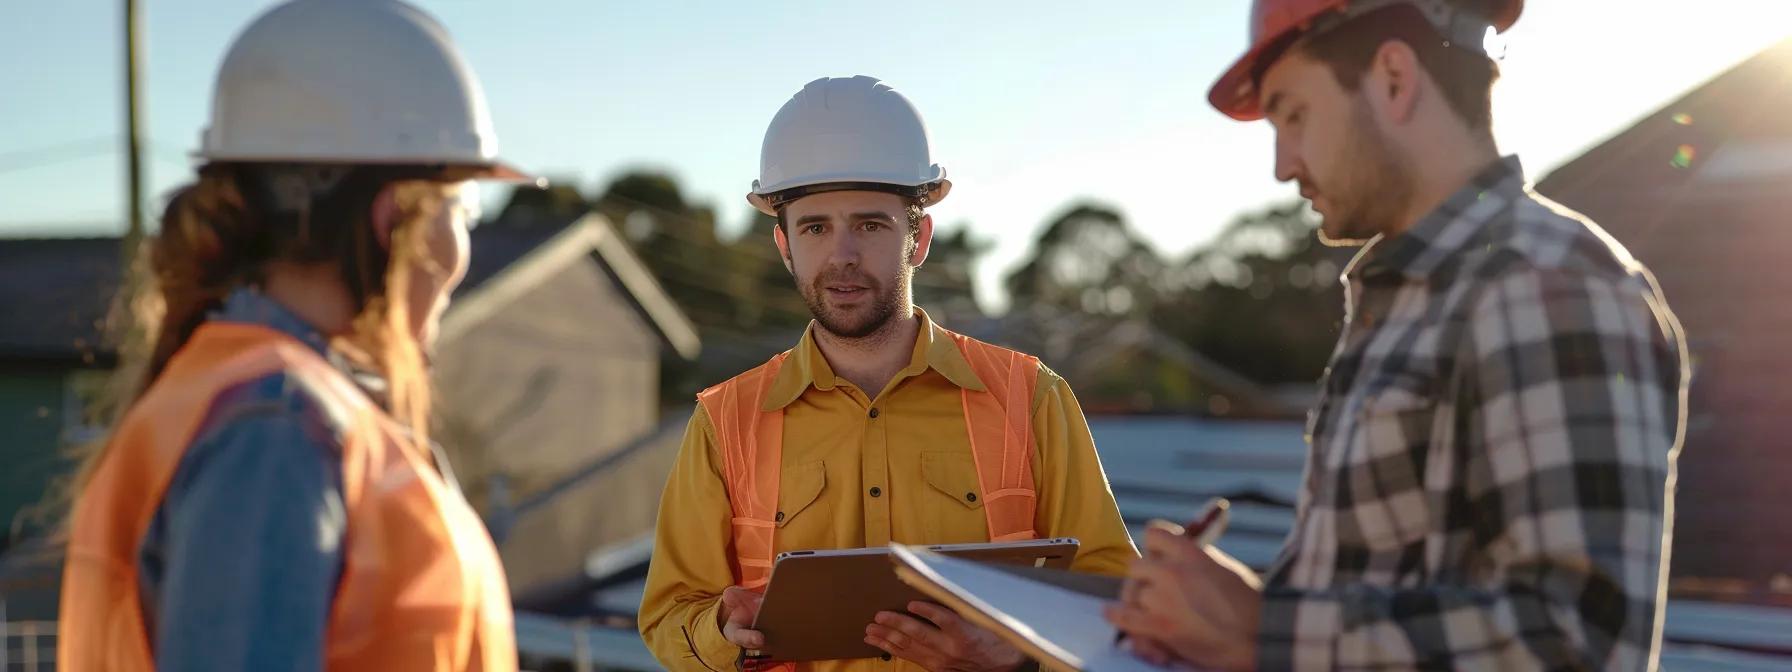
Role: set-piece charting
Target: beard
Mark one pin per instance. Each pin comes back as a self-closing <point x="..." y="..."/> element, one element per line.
<point x="1370" y="187"/>
<point x="864" y="318"/>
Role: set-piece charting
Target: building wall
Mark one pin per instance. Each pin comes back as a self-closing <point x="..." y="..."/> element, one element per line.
<point x="31" y="420"/>
<point x="555" y="380"/>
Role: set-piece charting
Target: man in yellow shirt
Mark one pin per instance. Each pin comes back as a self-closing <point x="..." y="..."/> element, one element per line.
<point x="879" y="426"/>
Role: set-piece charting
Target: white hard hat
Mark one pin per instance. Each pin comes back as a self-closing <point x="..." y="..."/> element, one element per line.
<point x="350" y="81"/>
<point x="846" y="133"/>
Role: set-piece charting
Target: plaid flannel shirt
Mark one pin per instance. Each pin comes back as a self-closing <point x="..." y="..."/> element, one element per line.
<point x="1489" y="484"/>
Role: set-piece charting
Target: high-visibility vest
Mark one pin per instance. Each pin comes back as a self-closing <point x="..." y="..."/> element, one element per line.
<point x="422" y="586"/>
<point x="750" y="439"/>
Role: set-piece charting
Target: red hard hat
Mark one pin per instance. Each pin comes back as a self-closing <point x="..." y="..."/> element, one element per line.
<point x="1235" y="94"/>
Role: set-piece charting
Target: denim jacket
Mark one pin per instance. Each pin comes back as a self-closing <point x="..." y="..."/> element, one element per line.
<point x="240" y="564"/>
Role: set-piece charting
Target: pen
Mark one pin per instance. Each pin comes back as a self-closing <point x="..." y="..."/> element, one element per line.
<point x="1203" y="531"/>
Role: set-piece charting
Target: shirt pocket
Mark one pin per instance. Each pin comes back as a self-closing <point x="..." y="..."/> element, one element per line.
<point x="802" y="505"/>
<point x="954" y="498"/>
<point x="1383" y="504"/>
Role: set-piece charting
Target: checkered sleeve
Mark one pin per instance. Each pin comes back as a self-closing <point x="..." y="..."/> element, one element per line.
<point x="1567" y="413"/>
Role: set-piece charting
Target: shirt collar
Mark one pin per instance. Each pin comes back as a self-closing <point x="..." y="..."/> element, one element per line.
<point x="1450" y="227"/>
<point x="248" y="306"/>
<point x="806" y="367"/>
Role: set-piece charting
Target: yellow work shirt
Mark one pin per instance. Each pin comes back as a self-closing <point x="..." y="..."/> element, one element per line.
<point x="868" y="479"/>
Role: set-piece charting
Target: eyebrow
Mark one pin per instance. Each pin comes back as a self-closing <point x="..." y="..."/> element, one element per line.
<point x="818" y="218"/>
<point x="1275" y="101"/>
<point x="879" y="216"/>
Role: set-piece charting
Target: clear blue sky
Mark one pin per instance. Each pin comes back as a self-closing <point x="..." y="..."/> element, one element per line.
<point x="1031" y="105"/>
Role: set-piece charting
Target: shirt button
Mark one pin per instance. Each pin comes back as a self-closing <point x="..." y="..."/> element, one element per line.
<point x="877" y="492"/>
<point x="873" y="411"/>
<point x="970" y="496"/>
<point x="886" y="657"/>
<point x="780" y="517"/>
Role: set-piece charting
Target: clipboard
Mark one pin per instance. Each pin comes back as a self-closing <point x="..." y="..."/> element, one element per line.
<point x="819" y="602"/>
<point x="1058" y="623"/>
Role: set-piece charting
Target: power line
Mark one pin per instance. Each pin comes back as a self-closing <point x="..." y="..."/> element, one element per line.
<point x="58" y="153"/>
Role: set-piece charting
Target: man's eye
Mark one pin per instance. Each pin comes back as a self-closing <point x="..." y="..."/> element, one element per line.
<point x="814" y="228"/>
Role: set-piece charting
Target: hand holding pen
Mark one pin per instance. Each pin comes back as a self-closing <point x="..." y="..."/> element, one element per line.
<point x="1190" y="603"/>
<point x="1203" y="531"/>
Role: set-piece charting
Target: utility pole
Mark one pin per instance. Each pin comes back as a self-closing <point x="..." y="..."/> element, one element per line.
<point x="128" y="339"/>
<point x="133" y="42"/>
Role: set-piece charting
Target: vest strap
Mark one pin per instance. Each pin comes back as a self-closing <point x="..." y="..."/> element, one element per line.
<point x="998" y="422"/>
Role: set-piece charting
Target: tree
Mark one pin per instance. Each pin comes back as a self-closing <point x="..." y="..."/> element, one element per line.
<point x="947" y="280"/>
<point x="676" y="240"/>
<point x="651" y="210"/>
<point x="529" y="206"/>
<point x="1089" y="260"/>
<point x="760" y="272"/>
<point x="1261" y="298"/>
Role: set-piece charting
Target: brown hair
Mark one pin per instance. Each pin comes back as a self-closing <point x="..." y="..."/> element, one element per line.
<point x="219" y="234"/>
<point x="1464" y="75"/>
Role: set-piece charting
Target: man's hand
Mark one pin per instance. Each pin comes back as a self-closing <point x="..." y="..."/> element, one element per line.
<point x="739" y="607"/>
<point x="947" y="644"/>
<point x="1190" y="603"/>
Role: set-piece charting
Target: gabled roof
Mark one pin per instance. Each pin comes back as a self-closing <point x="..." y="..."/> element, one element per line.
<point x="1729" y="130"/>
<point x="55" y="293"/>
<point x="509" y="261"/>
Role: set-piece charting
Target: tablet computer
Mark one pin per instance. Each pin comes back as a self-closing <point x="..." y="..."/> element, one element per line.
<point x="819" y="602"/>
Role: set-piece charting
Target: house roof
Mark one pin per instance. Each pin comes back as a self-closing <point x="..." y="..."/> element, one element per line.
<point x="1726" y="131"/>
<point x="1167" y="468"/>
<point x="55" y="293"/>
<point x="517" y="259"/>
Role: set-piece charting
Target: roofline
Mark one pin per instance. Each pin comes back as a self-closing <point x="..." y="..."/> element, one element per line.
<point x="649" y="296"/>
<point x="1141" y="333"/>
<point x="1608" y="149"/>
<point x="591" y="235"/>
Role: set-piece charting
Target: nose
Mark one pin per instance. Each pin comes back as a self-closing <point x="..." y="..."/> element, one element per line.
<point x="846" y="250"/>
<point x="1289" y="166"/>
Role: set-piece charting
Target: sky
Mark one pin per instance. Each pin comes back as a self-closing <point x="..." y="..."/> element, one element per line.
<point x="1031" y="107"/>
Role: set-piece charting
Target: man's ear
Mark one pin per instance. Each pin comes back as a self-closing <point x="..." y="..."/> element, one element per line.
<point x="923" y="241"/>
<point x="783" y="243"/>
<point x="1392" y="83"/>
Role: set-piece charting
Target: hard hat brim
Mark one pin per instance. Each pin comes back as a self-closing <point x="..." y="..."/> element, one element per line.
<point x="492" y="171"/>
<point x="1234" y="94"/>
<point x="504" y="172"/>
<point x="930" y="193"/>
<point x="934" y="174"/>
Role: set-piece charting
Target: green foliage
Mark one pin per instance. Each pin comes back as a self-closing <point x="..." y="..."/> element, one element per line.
<point x="1261" y="299"/>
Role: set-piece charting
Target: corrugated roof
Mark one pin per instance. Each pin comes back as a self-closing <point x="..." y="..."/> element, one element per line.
<point x="1167" y="467"/>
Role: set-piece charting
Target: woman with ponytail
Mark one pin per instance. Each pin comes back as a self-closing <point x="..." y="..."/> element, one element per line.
<point x="269" y="498"/>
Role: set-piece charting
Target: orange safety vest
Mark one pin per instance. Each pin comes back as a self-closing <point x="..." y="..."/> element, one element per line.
<point x="422" y="585"/>
<point x="751" y="441"/>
